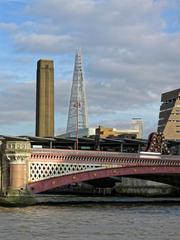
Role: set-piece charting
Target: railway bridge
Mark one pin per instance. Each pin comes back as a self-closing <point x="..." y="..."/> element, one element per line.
<point x="26" y="171"/>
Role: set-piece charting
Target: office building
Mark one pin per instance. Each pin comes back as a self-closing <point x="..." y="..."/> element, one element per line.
<point x="137" y="124"/>
<point x="135" y="132"/>
<point x="169" y="116"/>
<point x="77" y="116"/>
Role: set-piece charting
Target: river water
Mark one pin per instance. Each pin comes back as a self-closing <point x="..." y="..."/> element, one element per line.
<point x="119" y="221"/>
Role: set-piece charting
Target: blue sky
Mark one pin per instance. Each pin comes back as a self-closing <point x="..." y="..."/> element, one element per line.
<point x="131" y="55"/>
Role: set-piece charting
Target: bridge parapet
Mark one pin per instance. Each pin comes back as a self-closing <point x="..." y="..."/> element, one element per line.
<point x="81" y="156"/>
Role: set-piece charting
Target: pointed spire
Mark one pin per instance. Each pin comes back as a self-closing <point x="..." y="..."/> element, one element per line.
<point x="77" y="116"/>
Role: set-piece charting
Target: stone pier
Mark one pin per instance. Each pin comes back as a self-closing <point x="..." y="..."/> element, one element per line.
<point x="14" y="158"/>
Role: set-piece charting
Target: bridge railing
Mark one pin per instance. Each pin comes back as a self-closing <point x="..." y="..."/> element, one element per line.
<point x="85" y="153"/>
<point x="172" y="157"/>
<point x="102" y="157"/>
<point x="103" y="153"/>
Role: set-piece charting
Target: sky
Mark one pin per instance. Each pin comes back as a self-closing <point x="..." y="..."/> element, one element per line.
<point x="131" y="55"/>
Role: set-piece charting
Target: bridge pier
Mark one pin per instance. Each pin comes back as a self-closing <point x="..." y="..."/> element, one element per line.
<point x="14" y="173"/>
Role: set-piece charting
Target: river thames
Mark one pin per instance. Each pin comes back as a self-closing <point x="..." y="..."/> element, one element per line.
<point x="118" y="221"/>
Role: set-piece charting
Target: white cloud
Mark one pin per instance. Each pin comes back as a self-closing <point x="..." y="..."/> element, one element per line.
<point x="8" y="26"/>
<point x="130" y="57"/>
<point x="42" y="42"/>
<point x="61" y="8"/>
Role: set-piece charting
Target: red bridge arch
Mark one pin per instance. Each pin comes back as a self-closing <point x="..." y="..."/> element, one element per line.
<point x="54" y="182"/>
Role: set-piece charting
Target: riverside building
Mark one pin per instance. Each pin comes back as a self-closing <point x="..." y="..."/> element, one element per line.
<point x="169" y="116"/>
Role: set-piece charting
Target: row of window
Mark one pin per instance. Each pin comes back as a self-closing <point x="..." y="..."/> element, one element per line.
<point x="172" y="100"/>
<point x="167" y="109"/>
<point x="173" y="120"/>
<point x="178" y="113"/>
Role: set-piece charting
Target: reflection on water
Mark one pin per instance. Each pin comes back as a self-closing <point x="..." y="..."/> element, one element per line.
<point x="91" y="221"/>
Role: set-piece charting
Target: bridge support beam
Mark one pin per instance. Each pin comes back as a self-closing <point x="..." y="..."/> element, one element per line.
<point x="14" y="173"/>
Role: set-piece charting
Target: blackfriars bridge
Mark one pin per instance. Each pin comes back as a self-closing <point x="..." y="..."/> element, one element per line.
<point x="26" y="171"/>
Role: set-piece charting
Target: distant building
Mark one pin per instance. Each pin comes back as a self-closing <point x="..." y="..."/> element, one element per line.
<point x="77" y="115"/>
<point x="82" y="132"/>
<point x="137" y="124"/>
<point x="113" y="132"/>
<point x="135" y="132"/>
<point x="45" y="99"/>
<point x="169" y="116"/>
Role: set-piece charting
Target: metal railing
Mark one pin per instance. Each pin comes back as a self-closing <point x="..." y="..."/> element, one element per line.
<point x="80" y="156"/>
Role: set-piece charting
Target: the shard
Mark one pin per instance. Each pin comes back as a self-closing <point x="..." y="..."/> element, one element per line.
<point x="77" y="116"/>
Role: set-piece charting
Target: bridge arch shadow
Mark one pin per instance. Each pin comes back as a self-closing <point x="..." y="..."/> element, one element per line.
<point x="164" y="174"/>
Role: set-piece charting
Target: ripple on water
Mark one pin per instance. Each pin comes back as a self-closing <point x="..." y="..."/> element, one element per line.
<point x="125" y="222"/>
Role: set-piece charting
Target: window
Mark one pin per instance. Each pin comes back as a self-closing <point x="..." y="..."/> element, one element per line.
<point x="167" y="109"/>
<point x="161" y="125"/>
